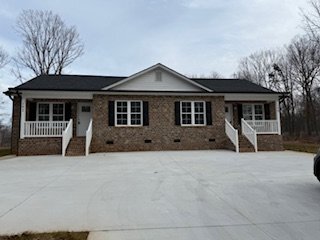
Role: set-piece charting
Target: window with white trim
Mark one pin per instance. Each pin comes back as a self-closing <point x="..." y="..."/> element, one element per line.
<point x="57" y="112"/>
<point x="43" y="112"/>
<point x="192" y="113"/>
<point x="128" y="113"/>
<point x="253" y="111"/>
<point x="50" y="111"/>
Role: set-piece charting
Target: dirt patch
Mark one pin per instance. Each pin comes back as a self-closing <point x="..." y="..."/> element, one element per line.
<point x="48" y="236"/>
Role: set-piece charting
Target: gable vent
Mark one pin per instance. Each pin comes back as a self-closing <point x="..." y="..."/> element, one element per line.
<point x="158" y="76"/>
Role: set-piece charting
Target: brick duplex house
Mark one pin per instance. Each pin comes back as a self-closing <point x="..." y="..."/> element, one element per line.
<point x="154" y="109"/>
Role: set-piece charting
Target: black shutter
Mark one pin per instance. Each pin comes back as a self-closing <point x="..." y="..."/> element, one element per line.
<point x="240" y="115"/>
<point x="111" y="113"/>
<point x="145" y="113"/>
<point x="267" y="111"/>
<point x="32" y="111"/>
<point x="209" y="113"/>
<point x="177" y="113"/>
<point x="67" y="110"/>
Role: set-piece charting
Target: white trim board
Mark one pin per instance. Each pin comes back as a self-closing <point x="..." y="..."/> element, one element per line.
<point x="89" y="95"/>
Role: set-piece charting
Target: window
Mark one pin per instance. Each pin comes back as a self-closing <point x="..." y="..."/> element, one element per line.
<point x="43" y="112"/>
<point x="57" y="112"/>
<point x="85" y="109"/>
<point x="50" y="112"/>
<point x="192" y="113"/>
<point x="253" y="111"/>
<point x="128" y="113"/>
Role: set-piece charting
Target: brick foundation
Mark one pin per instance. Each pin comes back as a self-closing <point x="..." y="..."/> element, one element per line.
<point x="40" y="146"/>
<point x="270" y="142"/>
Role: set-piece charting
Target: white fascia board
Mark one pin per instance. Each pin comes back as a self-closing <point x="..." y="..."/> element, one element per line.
<point x="159" y="65"/>
<point x="56" y="94"/>
<point x="227" y="96"/>
<point x="89" y="95"/>
<point x="251" y="97"/>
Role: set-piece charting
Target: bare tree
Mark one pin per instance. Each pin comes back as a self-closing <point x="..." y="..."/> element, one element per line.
<point x="213" y="74"/>
<point x="283" y="81"/>
<point x="304" y="55"/>
<point x="311" y="20"/>
<point x="257" y="66"/>
<point x="4" y="59"/>
<point x="49" y="46"/>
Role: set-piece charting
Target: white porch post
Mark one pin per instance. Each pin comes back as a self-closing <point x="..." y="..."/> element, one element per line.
<point x="22" y="116"/>
<point x="278" y="116"/>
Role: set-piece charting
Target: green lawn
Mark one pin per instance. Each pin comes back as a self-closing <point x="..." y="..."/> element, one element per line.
<point x="301" y="146"/>
<point x="48" y="236"/>
<point x="5" y="151"/>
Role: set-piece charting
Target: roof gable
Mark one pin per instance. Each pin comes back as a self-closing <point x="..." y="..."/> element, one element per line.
<point x="158" y="78"/>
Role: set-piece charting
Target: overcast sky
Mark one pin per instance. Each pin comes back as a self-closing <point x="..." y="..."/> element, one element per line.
<point x="190" y="36"/>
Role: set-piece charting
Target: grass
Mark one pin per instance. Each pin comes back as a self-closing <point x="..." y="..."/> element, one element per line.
<point x="5" y="151"/>
<point x="300" y="146"/>
<point x="48" y="236"/>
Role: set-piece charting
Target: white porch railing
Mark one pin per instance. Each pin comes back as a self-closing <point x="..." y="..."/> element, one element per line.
<point x="88" y="137"/>
<point x="66" y="137"/>
<point x="232" y="134"/>
<point x="264" y="126"/>
<point x="249" y="133"/>
<point x="44" y="128"/>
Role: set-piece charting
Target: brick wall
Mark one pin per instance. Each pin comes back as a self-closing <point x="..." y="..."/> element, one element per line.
<point x="162" y="130"/>
<point x="40" y="146"/>
<point x="15" y="131"/>
<point x="272" y="110"/>
<point x="270" y="142"/>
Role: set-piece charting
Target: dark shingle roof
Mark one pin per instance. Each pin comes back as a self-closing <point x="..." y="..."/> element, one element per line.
<point x="96" y="83"/>
<point x="68" y="82"/>
<point x="232" y="86"/>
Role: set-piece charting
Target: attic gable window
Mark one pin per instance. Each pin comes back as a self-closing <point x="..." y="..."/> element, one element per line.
<point x="158" y="75"/>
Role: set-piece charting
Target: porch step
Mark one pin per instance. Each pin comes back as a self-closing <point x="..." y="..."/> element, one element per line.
<point x="76" y="147"/>
<point x="244" y="144"/>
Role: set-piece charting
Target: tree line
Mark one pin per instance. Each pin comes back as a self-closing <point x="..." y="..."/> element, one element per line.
<point x="295" y="70"/>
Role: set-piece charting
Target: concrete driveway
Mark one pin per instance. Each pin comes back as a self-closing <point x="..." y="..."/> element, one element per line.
<point x="163" y="195"/>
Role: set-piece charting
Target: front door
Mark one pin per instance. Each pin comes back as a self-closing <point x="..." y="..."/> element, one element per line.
<point x="84" y="116"/>
<point x="229" y="113"/>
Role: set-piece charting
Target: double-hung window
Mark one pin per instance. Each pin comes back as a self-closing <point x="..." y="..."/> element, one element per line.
<point x="253" y="111"/>
<point x="43" y="112"/>
<point x="57" y="112"/>
<point x="128" y="113"/>
<point x="192" y="113"/>
<point x="50" y="112"/>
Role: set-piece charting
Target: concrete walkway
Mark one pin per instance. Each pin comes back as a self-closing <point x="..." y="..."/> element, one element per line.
<point x="163" y="195"/>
